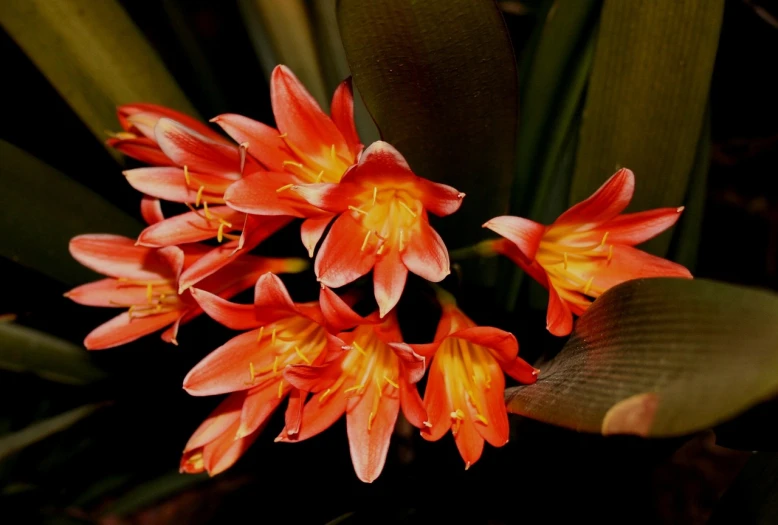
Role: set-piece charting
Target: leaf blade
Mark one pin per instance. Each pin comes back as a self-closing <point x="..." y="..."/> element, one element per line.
<point x="667" y="342"/>
<point x="443" y="92"/>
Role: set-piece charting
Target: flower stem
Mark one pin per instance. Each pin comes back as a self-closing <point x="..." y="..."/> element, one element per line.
<point x="479" y="250"/>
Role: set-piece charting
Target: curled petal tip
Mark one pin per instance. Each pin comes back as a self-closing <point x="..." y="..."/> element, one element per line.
<point x="461" y="195"/>
<point x="679" y="209"/>
<point x="535" y="371"/>
<point x="428" y="424"/>
<point x="214" y="119"/>
<point x="467" y="465"/>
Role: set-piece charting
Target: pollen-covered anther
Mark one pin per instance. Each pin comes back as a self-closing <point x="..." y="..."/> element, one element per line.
<point x="388" y="380"/>
<point x="280" y="389"/>
<point x="284" y="188"/>
<point x="260" y="333"/>
<point x="604" y="238"/>
<point x="358" y="210"/>
<point x="367" y="238"/>
<point x="324" y="395"/>
<point x="359" y="348"/>
<point x="199" y="196"/>
<point x="588" y="285"/>
<point x="355" y="388"/>
<point x="408" y="209"/>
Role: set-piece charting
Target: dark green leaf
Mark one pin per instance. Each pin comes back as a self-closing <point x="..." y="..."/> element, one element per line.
<point x="439" y="79"/>
<point x="646" y="99"/>
<point x="26" y="350"/>
<point x="660" y="357"/>
<point x="62" y="209"/>
<point x="753" y="497"/>
<point x="16" y="441"/>
<point x="94" y="55"/>
<point x="152" y="491"/>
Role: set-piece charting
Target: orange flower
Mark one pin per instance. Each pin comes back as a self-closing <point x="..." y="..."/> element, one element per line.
<point x="369" y="382"/>
<point x="308" y="147"/>
<point x="144" y="281"/>
<point x="281" y="333"/>
<point x="588" y="249"/>
<point x="465" y="386"/>
<point x="382" y="225"/>
<point x="137" y="140"/>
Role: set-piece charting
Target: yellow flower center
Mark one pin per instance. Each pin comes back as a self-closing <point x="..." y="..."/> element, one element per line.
<point x="571" y="258"/>
<point x="389" y="216"/>
<point x="292" y="341"/>
<point x="370" y="362"/>
<point x="466" y="371"/>
<point x="161" y="297"/>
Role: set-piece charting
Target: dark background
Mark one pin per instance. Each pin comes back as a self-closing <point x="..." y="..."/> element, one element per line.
<point x="543" y="473"/>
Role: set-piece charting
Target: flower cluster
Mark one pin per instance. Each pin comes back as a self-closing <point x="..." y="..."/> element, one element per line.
<point x="322" y="358"/>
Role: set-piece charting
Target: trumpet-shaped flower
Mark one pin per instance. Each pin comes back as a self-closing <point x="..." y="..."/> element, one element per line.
<point x="143" y="280"/>
<point x="281" y="333"/>
<point x="382" y="225"/>
<point x="308" y="147"/>
<point x="588" y="249"/>
<point x="465" y="387"/>
<point x="368" y="382"/>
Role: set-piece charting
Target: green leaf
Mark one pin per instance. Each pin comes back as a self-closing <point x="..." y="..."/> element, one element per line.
<point x="660" y="357"/>
<point x="286" y="28"/>
<point x="753" y="497"/>
<point x="16" y="441"/>
<point x="686" y="236"/>
<point x="62" y="209"/>
<point x="26" y="350"/>
<point x="554" y="84"/>
<point x="439" y="79"/>
<point x="646" y="99"/>
<point x="152" y="491"/>
<point x="94" y="55"/>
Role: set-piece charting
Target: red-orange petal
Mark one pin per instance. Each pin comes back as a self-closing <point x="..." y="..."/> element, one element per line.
<point x="294" y="411"/>
<point x="523" y="233"/>
<point x="151" y="210"/>
<point x="299" y="116"/>
<point x="635" y="228"/>
<point x="426" y="254"/>
<point x="117" y="256"/>
<point x="142" y="149"/>
<point x="317" y="416"/>
<point x="272" y="300"/>
<point x="264" y="142"/>
<point x="411" y="403"/>
<point x="258" y="194"/>
<point x="189" y="227"/>
<point x="338" y="315"/>
<point x="169" y="183"/>
<point x="127" y="110"/>
<point x="311" y="231"/>
<point x="630" y="263"/>
<point x="232" y="315"/>
<point x="221" y="454"/>
<point x="389" y="277"/>
<point x="369" y="433"/>
<point x="341" y="259"/>
<point x="469" y="442"/>
<point x="201" y="154"/>
<point x="559" y="318"/>
<point x="260" y="403"/>
<point x="342" y="113"/>
<point x="123" y="329"/>
<point x="502" y="343"/>
<point x="607" y="202"/>
<point x="108" y="292"/>
<point x="437" y="404"/>
<point x="520" y="370"/>
<point x="439" y="199"/>
<point x="223" y="417"/>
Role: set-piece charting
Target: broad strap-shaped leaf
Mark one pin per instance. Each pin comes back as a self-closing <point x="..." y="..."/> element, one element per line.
<point x="646" y="99"/>
<point x="16" y="441"/>
<point x="152" y="491"/>
<point x="94" y="55"/>
<point x="26" y="350"/>
<point x="282" y="33"/>
<point x="439" y="79"/>
<point x="660" y="357"/>
<point x="43" y="209"/>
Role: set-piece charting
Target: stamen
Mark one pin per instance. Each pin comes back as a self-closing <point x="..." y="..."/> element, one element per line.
<point x="283" y="136"/>
<point x="610" y="253"/>
<point x="199" y="196"/>
<point x="319" y="176"/>
<point x="370" y="420"/>
<point x="565" y="255"/>
<point x="324" y="395"/>
<point x="482" y="419"/>
<point x="588" y="285"/>
<point x="380" y="249"/>
<point x="259" y="335"/>
<point x="207" y="213"/>
<point x="226" y="223"/>
<point x="280" y="389"/>
<point x="220" y="233"/>
<point x="402" y="237"/>
<point x="458" y="414"/>
<point x="332" y="152"/>
<point x="186" y="175"/>
<point x="352" y="389"/>
<point x="292" y="163"/>
<point x="302" y="355"/>
<point x="375" y="194"/>
<point x="391" y="382"/>
<point x="413" y="213"/>
<point x="275" y="365"/>
<point x="354" y="208"/>
<point x="273" y="338"/>
<point x="364" y="242"/>
<point x="602" y="243"/>
<point x="252" y="373"/>
<point x="284" y="188"/>
<point x="149" y="292"/>
<point x="359" y="348"/>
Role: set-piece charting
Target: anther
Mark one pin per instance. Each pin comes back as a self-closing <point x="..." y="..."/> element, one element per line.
<point x="319" y="176"/>
<point x="273" y="337"/>
<point x="332" y="152"/>
<point x="292" y="163"/>
<point x="199" y="196"/>
<point x="352" y="389"/>
<point x="354" y="208"/>
<point x="275" y="365"/>
<point x="280" y="389"/>
<point x="149" y="292"/>
<point x="186" y="175"/>
<point x="302" y="355"/>
<point x="324" y="395"/>
<point x="565" y="256"/>
<point x="588" y="285"/>
<point x="220" y="233"/>
<point x="380" y="249"/>
<point x="370" y="419"/>
<point x="602" y="243"/>
<point x="364" y="242"/>
<point x="284" y="188"/>
<point x="402" y="244"/>
<point x="283" y="136"/>
<point x="252" y="373"/>
<point x="359" y="348"/>
<point x="391" y="382"/>
<point x="259" y="335"/>
<point x="375" y="194"/>
<point x="206" y="212"/>
<point x="413" y="213"/>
